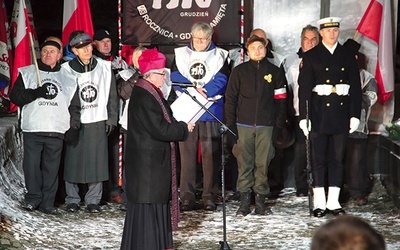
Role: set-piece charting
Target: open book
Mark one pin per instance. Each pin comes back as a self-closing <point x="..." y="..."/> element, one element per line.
<point x="186" y="109"/>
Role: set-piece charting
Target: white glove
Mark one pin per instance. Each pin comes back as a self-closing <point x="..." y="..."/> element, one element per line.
<point x="323" y="89"/>
<point x="342" y="89"/>
<point x="303" y="125"/>
<point x="354" y="122"/>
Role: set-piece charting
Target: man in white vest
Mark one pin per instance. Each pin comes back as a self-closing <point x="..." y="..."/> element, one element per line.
<point x="102" y="50"/>
<point x="203" y="65"/>
<point x="86" y="154"/>
<point x="48" y="103"/>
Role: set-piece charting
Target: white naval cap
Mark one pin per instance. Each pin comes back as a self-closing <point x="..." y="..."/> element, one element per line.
<point x="329" y="22"/>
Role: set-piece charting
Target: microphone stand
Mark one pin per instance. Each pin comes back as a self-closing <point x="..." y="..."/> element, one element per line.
<point x="222" y="131"/>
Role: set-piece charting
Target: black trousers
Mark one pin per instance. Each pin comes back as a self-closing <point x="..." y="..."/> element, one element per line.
<point x="356" y="170"/>
<point x="42" y="155"/>
<point x="333" y="148"/>
<point x="300" y="159"/>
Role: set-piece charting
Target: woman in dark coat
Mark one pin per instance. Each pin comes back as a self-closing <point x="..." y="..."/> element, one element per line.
<point x="150" y="161"/>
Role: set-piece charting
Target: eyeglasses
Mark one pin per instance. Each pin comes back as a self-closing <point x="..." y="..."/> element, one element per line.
<point x="161" y="74"/>
<point x="198" y="39"/>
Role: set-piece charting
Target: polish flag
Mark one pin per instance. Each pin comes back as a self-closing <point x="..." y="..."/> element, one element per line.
<point x="76" y="17"/>
<point x="376" y="25"/>
<point x="5" y="51"/>
<point x="21" y="26"/>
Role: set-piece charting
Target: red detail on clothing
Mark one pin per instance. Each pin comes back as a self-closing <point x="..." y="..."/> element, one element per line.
<point x="280" y="96"/>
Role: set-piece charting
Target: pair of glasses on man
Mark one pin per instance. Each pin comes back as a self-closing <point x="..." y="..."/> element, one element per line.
<point x="158" y="73"/>
<point x="199" y="39"/>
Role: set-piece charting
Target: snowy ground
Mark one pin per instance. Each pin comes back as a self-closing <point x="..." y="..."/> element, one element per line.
<point x="289" y="227"/>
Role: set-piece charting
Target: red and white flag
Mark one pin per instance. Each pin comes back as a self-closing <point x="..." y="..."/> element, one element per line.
<point x="76" y="17"/>
<point x="5" y="51"/>
<point x="376" y="25"/>
<point x="21" y="26"/>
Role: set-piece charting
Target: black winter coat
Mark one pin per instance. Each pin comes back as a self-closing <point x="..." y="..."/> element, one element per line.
<point x="249" y="98"/>
<point x="148" y="151"/>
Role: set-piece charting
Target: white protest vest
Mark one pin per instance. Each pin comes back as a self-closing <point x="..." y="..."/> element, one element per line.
<point x="94" y="89"/>
<point x="199" y="67"/>
<point x="48" y="115"/>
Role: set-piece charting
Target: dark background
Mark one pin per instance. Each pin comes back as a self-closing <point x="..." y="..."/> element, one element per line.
<point x="48" y="16"/>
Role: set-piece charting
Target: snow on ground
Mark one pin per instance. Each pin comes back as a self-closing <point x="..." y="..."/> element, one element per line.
<point x="289" y="227"/>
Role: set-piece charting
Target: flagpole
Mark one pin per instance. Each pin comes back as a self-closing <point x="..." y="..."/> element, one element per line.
<point x="121" y="136"/>
<point x="34" y="58"/>
<point x="355" y="35"/>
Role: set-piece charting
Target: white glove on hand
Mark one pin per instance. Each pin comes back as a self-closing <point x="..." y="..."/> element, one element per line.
<point x="342" y="89"/>
<point x="354" y="122"/>
<point x="303" y="125"/>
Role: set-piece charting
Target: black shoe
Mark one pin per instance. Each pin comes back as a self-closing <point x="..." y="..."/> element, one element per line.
<point x="50" y="210"/>
<point x="72" y="208"/>
<point x="93" y="208"/>
<point x="319" y="213"/>
<point x="187" y="205"/>
<point x="209" y="205"/>
<point x="336" y="212"/>
<point x="235" y="196"/>
<point x="244" y="208"/>
<point x="28" y="206"/>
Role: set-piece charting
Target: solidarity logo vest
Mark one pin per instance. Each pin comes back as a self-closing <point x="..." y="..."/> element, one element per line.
<point x="48" y="114"/>
<point x="94" y="89"/>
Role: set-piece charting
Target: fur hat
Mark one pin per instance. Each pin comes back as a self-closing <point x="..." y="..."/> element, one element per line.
<point x="151" y="59"/>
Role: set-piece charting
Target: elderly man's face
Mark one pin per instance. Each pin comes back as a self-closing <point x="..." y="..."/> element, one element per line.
<point x="103" y="46"/>
<point x="50" y="55"/>
<point x="200" y="41"/>
<point x="256" y="51"/>
<point x="309" y="40"/>
<point x="84" y="53"/>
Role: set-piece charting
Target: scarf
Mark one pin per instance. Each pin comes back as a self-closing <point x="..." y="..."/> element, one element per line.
<point x="175" y="199"/>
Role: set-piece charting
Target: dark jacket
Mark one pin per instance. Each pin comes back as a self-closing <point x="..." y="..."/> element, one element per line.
<point x="250" y="95"/>
<point x="329" y="114"/>
<point x="148" y="159"/>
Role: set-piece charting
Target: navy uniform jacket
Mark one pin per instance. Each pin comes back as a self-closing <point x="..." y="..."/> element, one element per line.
<point x="329" y="114"/>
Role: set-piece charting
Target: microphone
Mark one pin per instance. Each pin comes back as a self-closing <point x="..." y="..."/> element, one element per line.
<point x="183" y="85"/>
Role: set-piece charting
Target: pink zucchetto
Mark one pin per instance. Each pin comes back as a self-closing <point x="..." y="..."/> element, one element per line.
<point x="151" y="59"/>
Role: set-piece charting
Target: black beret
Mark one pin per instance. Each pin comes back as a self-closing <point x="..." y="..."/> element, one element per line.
<point x="50" y="43"/>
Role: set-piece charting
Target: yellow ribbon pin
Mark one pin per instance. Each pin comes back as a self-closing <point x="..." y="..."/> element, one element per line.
<point x="268" y="78"/>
